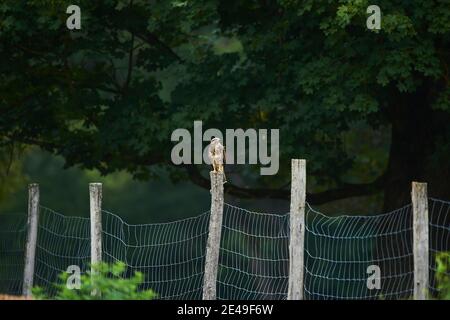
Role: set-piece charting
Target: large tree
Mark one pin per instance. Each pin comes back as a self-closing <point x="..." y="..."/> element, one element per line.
<point x="108" y="96"/>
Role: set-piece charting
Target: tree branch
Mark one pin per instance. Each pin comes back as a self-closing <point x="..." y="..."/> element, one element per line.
<point x="153" y="40"/>
<point x="139" y="30"/>
<point x="344" y="191"/>
<point x="130" y="64"/>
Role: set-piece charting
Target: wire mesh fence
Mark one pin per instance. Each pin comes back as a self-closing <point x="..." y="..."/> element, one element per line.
<point x="254" y="255"/>
<point x="339" y="252"/>
<point x="254" y="252"/>
<point x="170" y="255"/>
<point x="13" y="233"/>
<point x="62" y="241"/>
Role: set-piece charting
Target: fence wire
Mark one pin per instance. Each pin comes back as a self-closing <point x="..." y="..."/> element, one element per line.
<point x="340" y="253"/>
<point x="170" y="255"/>
<point x="13" y="234"/>
<point x="254" y="252"/>
<point x="62" y="241"/>
<point x="254" y="255"/>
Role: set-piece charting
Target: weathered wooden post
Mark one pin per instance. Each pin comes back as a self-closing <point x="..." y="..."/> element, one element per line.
<point x="297" y="229"/>
<point x="32" y="231"/>
<point x="95" y="197"/>
<point x="213" y="243"/>
<point x="420" y="235"/>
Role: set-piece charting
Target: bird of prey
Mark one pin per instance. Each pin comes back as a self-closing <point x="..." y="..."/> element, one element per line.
<point x="216" y="154"/>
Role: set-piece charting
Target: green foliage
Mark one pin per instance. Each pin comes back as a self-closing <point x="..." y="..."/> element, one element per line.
<point x="108" y="96"/>
<point x="443" y="275"/>
<point x="107" y="281"/>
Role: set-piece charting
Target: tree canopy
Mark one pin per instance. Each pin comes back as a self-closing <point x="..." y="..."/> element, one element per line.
<point x="109" y="95"/>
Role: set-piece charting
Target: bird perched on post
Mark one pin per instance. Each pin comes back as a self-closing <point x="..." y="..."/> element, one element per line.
<point x="216" y="154"/>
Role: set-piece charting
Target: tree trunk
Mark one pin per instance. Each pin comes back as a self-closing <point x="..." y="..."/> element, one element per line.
<point x="416" y="130"/>
<point x="417" y="134"/>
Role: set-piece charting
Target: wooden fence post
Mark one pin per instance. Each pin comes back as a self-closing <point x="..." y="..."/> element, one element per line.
<point x="32" y="230"/>
<point x="213" y="243"/>
<point x="420" y="234"/>
<point x="95" y="197"/>
<point x="297" y="229"/>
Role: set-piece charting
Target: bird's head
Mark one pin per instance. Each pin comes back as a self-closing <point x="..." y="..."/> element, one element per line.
<point x="215" y="140"/>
